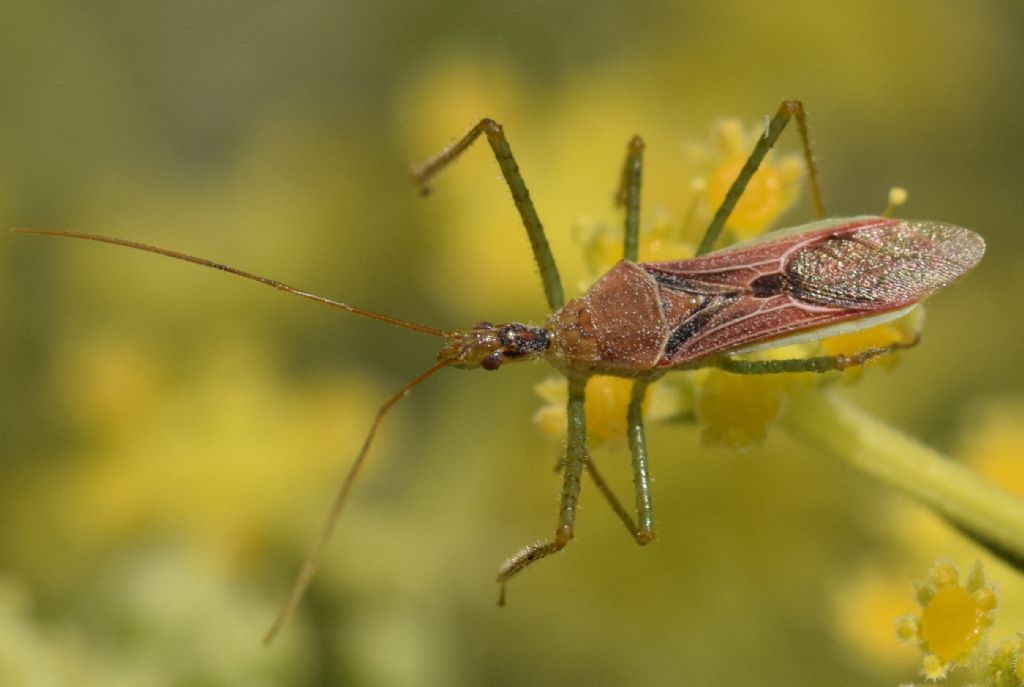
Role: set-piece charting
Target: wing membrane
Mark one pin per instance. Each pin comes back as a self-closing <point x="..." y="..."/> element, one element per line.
<point x="842" y="271"/>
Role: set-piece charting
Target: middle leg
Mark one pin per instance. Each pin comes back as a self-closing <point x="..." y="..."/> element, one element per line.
<point x="628" y="196"/>
<point x="643" y="528"/>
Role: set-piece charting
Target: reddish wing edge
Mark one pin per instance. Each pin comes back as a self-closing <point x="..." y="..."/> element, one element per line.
<point x="830" y="272"/>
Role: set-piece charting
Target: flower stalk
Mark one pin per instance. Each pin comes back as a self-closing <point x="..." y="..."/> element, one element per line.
<point x="985" y="512"/>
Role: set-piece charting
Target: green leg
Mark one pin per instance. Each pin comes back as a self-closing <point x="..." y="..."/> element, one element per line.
<point x="610" y="496"/>
<point x="824" y="363"/>
<point x="638" y="450"/>
<point x="787" y="110"/>
<point x="520" y="195"/>
<point x="643" y="528"/>
<point x="628" y="196"/>
<point x="575" y="462"/>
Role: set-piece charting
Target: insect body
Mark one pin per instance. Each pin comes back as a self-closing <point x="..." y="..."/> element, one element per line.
<point x="641" y="320"/>
<point x="646" y="318"/>
<point x="654" y="317"/>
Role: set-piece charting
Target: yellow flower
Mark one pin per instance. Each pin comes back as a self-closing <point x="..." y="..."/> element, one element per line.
<point x="771" y="191"/>
<point x="601" y="243"/>
<point x="607" y="402"/>
<point x="953" y="620"/>
<point x="735" y="411"/>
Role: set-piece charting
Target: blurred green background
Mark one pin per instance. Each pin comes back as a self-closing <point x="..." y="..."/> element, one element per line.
<point x="170" y="438"/>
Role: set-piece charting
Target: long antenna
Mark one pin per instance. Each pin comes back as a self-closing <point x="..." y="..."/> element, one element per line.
<point x="312" y="562"/>
<point x="280" y="286"/>
<point x="309" y="568"/>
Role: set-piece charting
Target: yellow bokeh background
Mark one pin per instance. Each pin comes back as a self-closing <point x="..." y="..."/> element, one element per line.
<point x="171" y="438"/>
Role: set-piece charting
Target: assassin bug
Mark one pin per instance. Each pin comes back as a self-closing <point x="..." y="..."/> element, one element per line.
<point x="641" y="320"/>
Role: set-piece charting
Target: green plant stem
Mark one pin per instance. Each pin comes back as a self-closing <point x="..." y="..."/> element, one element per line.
<point x="979" y="508"/>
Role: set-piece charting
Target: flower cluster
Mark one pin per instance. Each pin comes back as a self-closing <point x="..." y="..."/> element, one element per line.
<point x="951" y="626"/>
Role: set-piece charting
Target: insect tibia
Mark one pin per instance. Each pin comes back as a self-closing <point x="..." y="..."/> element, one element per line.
<point x="489" y="345"/>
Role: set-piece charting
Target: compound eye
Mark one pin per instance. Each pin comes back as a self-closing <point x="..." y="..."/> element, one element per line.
<point x="492" y="361"/>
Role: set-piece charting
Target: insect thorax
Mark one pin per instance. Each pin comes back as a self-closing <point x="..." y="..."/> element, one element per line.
<point x="617" y="327"/>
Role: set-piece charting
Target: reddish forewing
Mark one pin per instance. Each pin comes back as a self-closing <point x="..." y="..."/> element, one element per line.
<point x="844" y="270"/>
